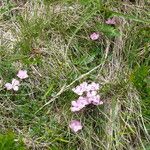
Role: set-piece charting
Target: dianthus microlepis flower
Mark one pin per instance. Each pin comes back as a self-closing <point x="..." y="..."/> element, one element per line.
<point x="14" y="85"/>
<point x="110" y="21"/>
<point x="75" y="125"/>
<point x="94" y="99"/>
<point x="94" y="36"/>
<point x="22" y="74"/>
<point x="92" y="87"/>
<point x="80" y="89"/>
<point x="79" y="104"/>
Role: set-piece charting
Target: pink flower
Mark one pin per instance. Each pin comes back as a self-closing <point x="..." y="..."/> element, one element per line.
<point x="75" y="125"/>
<point x="83" y="86"/>
<point x="75" y="107"/>
<point x="82" y="101"/>
<point x="93" y="87"/>
<point x="79" y="104"/>
<point x="13" y="86"/>
<point x="22" y="74"/>
<point x="91" y="93"/>
<point x="94" y="36"/>
<point x="80" y="89"/>
<point x="93" y="98"/>
<point x="110" y="21"/>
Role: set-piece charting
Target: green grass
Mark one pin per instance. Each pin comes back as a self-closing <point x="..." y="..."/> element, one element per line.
<point x="50" y="39"/>
<point x="8" y="142"/>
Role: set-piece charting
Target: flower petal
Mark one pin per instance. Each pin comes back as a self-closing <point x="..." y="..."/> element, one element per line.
<point x="8" y="86"/>
<point x="75" y="125"/>
<point x="15" y="88"/>
<point x="22" y="74"/>
<point x="94" y="36"/>
<point x="15" y="82"/>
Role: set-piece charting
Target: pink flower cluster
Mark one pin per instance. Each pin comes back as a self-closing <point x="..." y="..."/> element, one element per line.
<point x="87" y="95"/>
<point x="14" y="85"/>
<point x="91" y="96"/>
